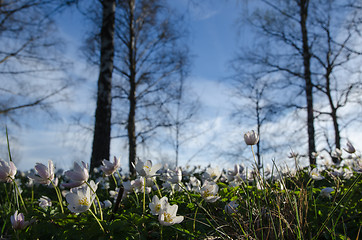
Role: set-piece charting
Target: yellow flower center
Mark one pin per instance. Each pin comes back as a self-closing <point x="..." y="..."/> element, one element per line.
<point x="167" y="217"/>
<point x="158" y="207"/>
<point x="207" y="193"/>
<point x="84" y="201"/>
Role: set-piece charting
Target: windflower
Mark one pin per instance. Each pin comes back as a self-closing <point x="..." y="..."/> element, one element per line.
<point x="7" y="171"/>
<point x="251" y="138"/>
<point x="147" y="169"/>
<point x="109" y="168"/>
<point x="326" y="192"/>
<point x="81" y="198"/>
<point x="18" y="221"/>
<point x="168" y="216"/>
<point x="337" y="153"/>
<point x="236" y="174"/>
<point x="45" y="173"/>
<point x="158" y="205"/>
<point x="128" y="187"/>
<point x="212" y="174"/>
<point x="45" y="202"/>
<point x="193" y="185"/>
<point x="174" y="176"/>
<point x="350" y="148"/>
<point x="139" y="185"/>
<point x="315" y="174"/>
<point x="293" y="154"/>
<point x="107" y="204"/>
<point x="78" y="176"/>
<point x="209" y="191"/>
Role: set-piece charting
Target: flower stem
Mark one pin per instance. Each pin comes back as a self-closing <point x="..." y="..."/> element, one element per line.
<point x="252" y="150"/>
<point x="96" y="220"/>
<point x="58" y="195"/>
<point x="7" y="140"/>
<point x="158" y="189"/>
<point x="19" y="193"/>
<point x="115" y="181"/>
<point x="119" y="175"/>
<point x="99" y="203"/>
<point x="144" y="196"/>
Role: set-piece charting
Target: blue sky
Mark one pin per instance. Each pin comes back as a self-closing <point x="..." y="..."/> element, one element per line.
<point x="214" y="39"/>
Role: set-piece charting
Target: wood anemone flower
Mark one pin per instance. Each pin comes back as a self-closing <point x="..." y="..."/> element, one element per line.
<point x="18" y="221"/>
<point x="209" y="191"/>
<point x="168" y="216"/>
<point x="109" y="168"/>
<point x="158" y="205"/>
<point x="251" y="138"/>
<point x="147" y="169"/>
<point x="7" y="171"/>
<point x="350" y="148"/>
<point x="78" y="176"/>
<point x="45" y="174"/>
<point x="81" y="198"/>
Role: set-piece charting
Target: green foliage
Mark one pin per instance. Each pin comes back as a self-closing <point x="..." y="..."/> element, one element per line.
<point x="288" y="207"/>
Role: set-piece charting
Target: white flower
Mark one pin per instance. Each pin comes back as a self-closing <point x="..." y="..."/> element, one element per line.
<point x="174" y="176"/>
<point x="337" y="153"/>
<point x="168" y="216"/>
<point x="80" y="199"/>
<point x="146" y="169"/>
<point x="326" y="192"/>
<point x="138" y="185"/>
<point x="114" y="193"/>
<point x="293" y="154"/>
<point x="7" y="171"/>
<point x="45" y="202"/>
<point x="251" y="138"/>
<point x="158" y="205"/>
<point x="78" y="176"/>
<point x="107" y="204"/>
<point x="18" y="221"/>
<point x="209" y="191"/>
<point x="231" y="207"/>
<point x="315" y="174"/>
<point x="350" y="148"/>
<point x="45" y="173"/>
<point x="193" y="185"/>
<point x="212" y="174"/>
<point x="109" y="168"/>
